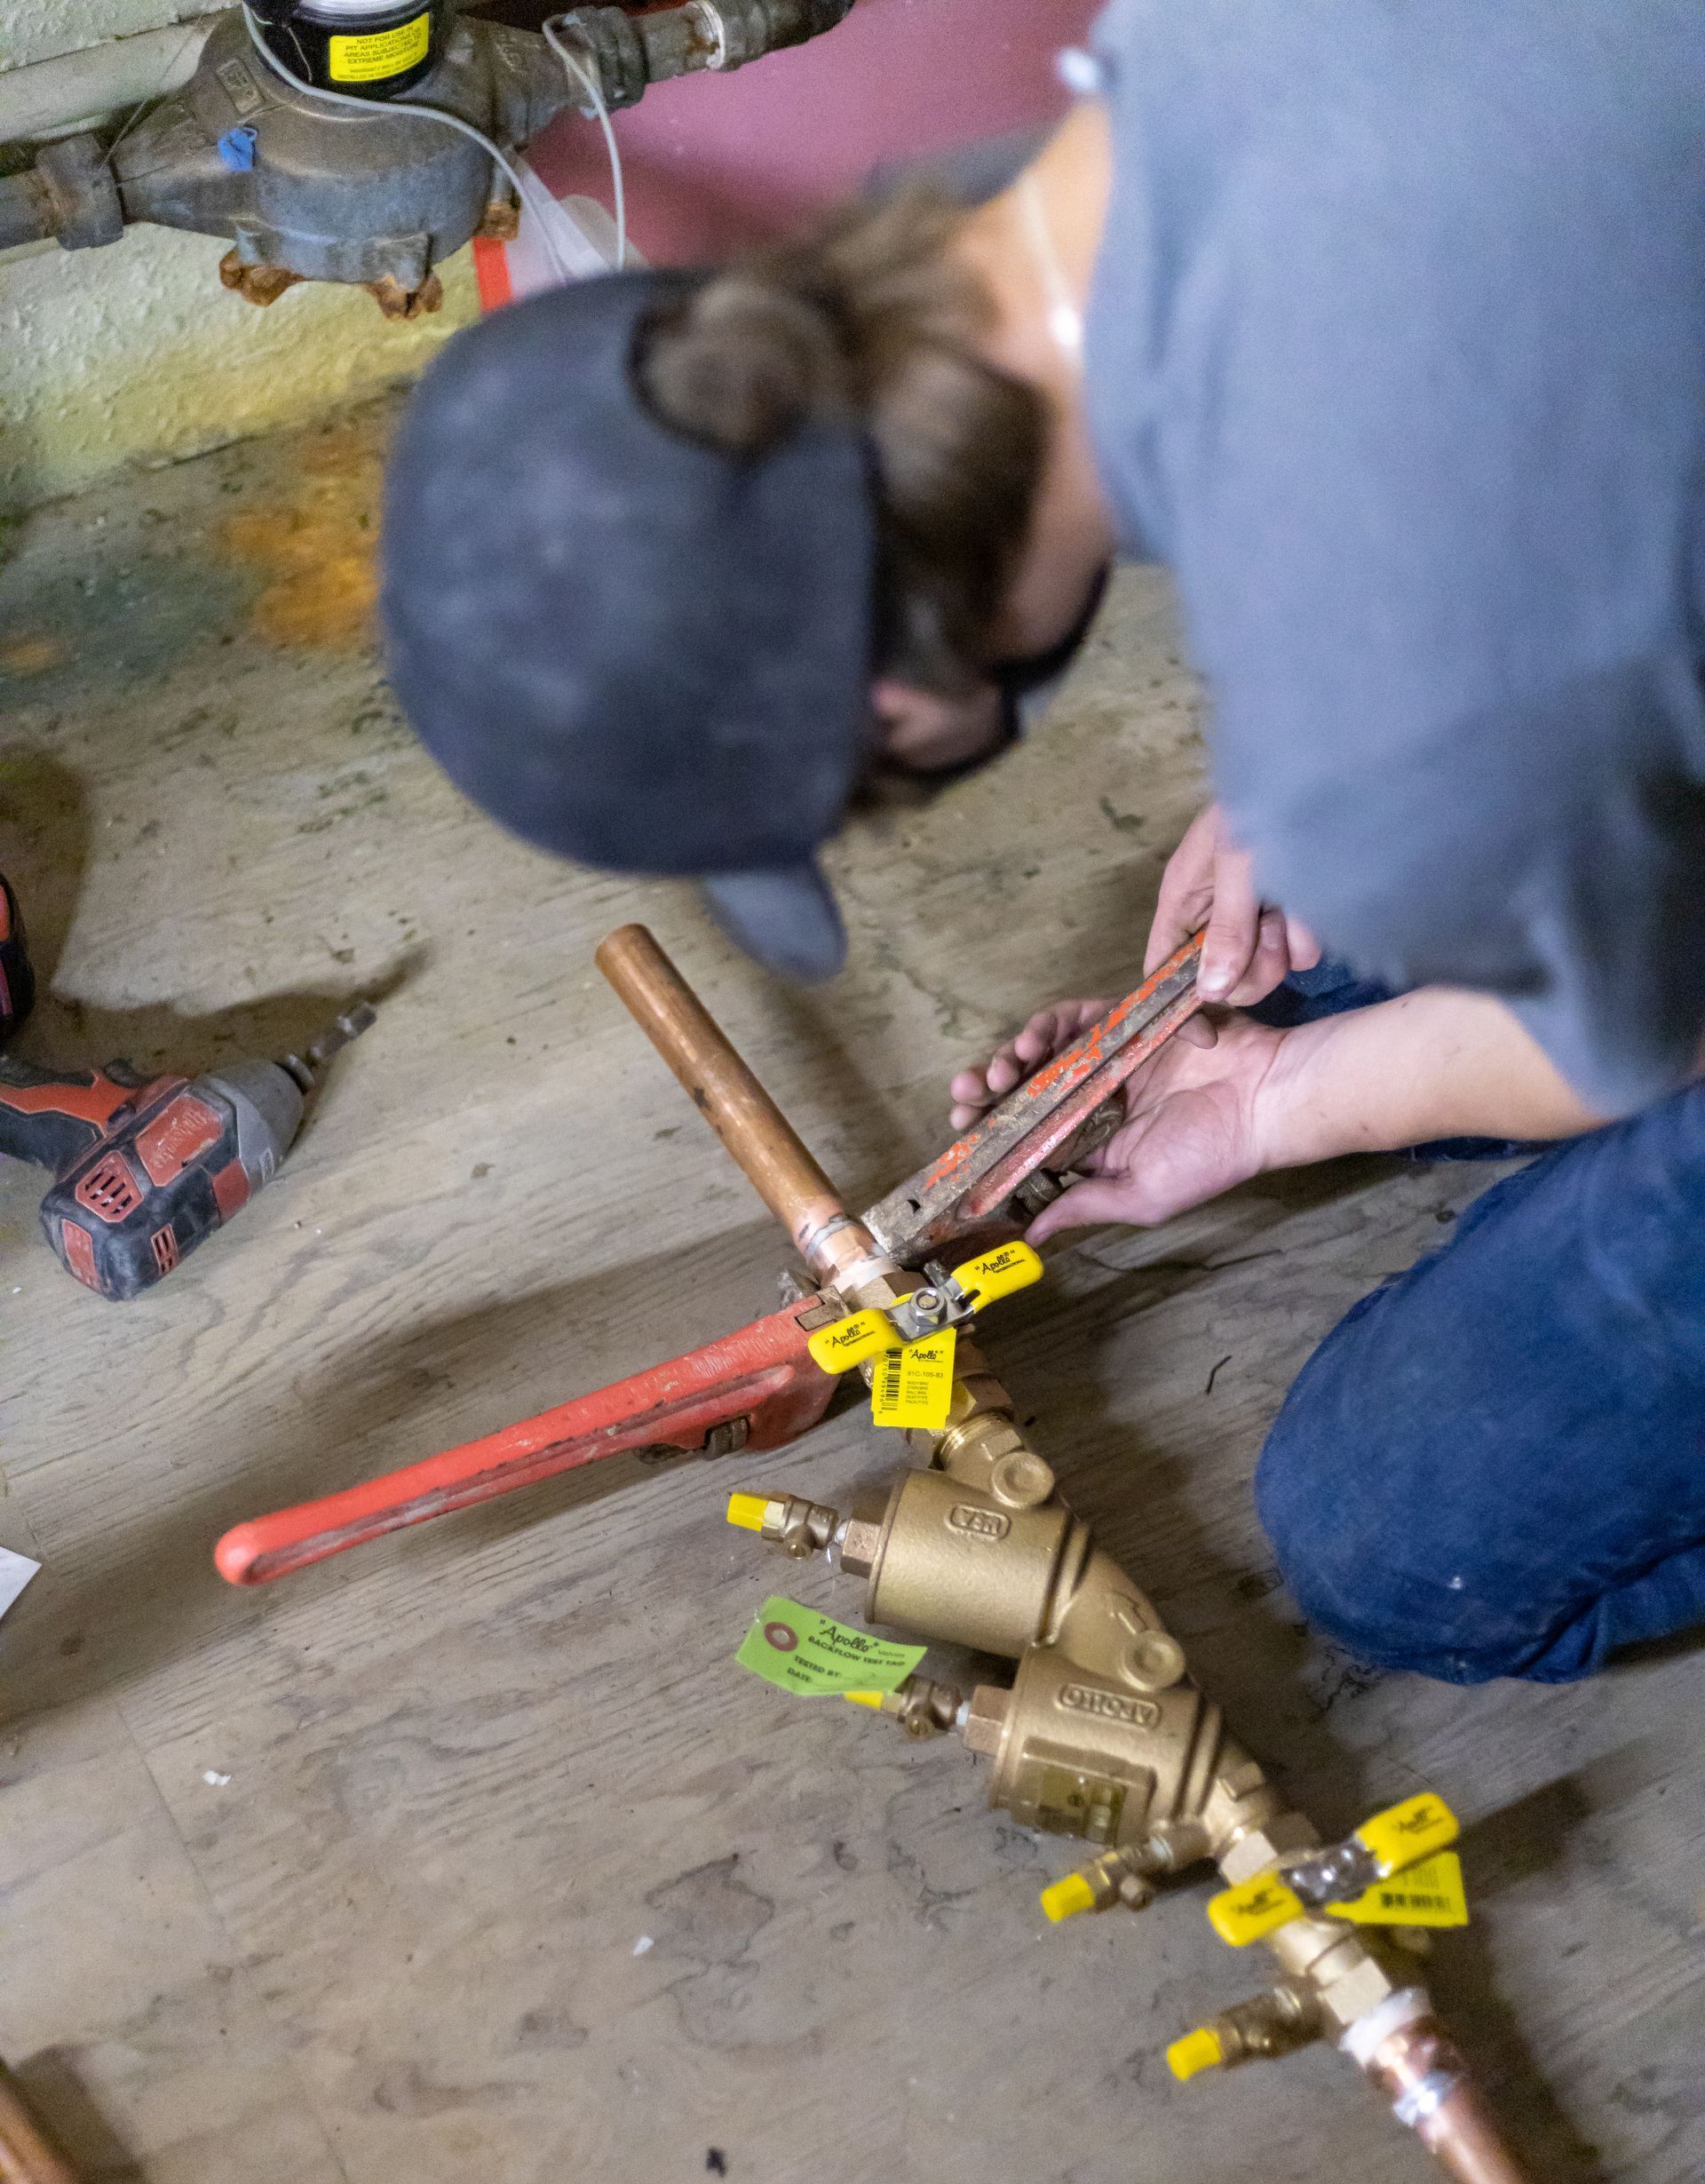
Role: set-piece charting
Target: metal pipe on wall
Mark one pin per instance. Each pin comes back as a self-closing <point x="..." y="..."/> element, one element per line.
<point x="45" y="98"/>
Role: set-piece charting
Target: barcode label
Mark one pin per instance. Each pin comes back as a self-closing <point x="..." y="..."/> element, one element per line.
<point x="914" y="1386"/>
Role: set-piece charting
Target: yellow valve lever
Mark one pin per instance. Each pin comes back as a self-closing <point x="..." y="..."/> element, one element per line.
<point x="1200" y="2050"/>
<point x="1405" y="1833"/>
<point x="997" y="1274"/>
<point x="864" y="1698"/>
<point x="1402" y="1836"/>
<point x="845" y="1343"/>
<point x="1253" y="1910"/>
<point x="747" y="1511"/>
<point x="852" y="1341"/>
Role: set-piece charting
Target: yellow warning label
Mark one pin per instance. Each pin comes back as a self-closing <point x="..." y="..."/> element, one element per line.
<point x="914" y="1386"/>
<point x="370" y="58"/>
<point x="1428" y="1895"/>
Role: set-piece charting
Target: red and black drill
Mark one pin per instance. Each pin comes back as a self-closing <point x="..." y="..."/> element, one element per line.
<point x="144" y="1170"/>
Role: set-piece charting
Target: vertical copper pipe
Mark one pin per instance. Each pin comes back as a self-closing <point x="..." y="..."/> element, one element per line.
<point x="26" y="2155"/>
<point x="752" y="1128"/>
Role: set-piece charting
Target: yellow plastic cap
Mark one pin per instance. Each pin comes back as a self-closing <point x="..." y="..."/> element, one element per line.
<point x="1197" y="2050"/>
<point x="998" y="1273"/>
<point x="863" y="1698"/>
<point x="1413" y="1830"/>
<point x="1253" y="1910"/>
<point x="845" y="1343"/>
<point x="747" y="1511"/>
<point x="1065" y="1898"/>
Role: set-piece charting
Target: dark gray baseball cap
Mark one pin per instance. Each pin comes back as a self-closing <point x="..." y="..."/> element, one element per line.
<point x="629" y="647"/>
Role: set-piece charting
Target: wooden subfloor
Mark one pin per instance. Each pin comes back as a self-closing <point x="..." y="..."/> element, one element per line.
<point x="472" y="1855"/>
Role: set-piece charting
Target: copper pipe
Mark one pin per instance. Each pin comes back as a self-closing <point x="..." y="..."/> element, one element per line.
<point x="753" y="1130"/>
<point x="1422" y="2073"/>
<point x="26" y="2155"/>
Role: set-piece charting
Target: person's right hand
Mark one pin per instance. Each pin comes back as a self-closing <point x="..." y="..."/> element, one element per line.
<point x="1250" y="946"/>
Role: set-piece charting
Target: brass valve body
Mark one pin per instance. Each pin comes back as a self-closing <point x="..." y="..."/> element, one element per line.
<point x="1102" y="1733"/>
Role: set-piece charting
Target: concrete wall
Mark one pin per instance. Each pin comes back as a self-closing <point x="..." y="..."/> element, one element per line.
<point x="135" y="352"/>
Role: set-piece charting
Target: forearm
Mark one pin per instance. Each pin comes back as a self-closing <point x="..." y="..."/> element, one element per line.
<point x="1436" y="1063"/>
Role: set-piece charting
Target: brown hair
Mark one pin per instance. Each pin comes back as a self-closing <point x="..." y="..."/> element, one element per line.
<point x="868" y="316"/>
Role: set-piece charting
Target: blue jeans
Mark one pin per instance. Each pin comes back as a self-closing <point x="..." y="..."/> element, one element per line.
<point x="1494" y="1464"/>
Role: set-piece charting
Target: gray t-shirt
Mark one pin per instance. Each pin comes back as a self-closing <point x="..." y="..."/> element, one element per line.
<point x="1396" y="351"/>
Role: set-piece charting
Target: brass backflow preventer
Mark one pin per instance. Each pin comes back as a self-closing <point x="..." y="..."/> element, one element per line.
<point x="1102" y="1735"/>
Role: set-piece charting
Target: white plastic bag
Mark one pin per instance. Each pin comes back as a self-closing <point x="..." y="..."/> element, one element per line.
<point x="561" y="238"/>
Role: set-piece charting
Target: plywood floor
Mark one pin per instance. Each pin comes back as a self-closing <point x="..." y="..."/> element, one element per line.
<point x="472" y="1855"/>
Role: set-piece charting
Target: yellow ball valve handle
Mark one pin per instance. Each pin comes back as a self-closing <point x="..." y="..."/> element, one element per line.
<point x="1197" y="2050"/>
<point x="843" y="1344"/>
<point x="1403" y="1834"/>
<point x="997" y="1274"/>
<point x="1253" y="1910"/>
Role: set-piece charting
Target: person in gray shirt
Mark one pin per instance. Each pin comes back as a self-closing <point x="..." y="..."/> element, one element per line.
<point x="1383" y="323"/>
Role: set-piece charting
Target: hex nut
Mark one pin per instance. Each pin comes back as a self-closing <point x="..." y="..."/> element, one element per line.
<point x="986" y="1719"/>
<point x="1264" y="1846"/>
<point x="1358" y="1989"/>
<point x="861" y="1544"/>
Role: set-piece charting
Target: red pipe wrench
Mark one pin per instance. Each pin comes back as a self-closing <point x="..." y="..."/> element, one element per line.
<point x="757" y="1388"/>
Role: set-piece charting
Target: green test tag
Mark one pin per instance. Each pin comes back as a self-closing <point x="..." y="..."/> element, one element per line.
<point x="1428" y="1895"/>
<point x="803" y="1650"/>
<point x="914" y="1386"/>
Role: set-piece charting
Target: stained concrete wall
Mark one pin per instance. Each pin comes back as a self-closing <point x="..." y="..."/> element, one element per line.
<point x="136" y="353"/>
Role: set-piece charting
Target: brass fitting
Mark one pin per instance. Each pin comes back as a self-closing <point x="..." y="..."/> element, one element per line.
<point x="1278" y="2022"/>
<point x="921" y="1708"/>
<point x="1116" y="1876"/>
<point x="1103" y="1734"/>
<point x="786" y="1520"/>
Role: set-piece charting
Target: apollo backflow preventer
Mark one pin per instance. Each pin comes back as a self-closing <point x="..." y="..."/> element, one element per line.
<point x="1101" y="1735"/>
<point x="365" y="140"/>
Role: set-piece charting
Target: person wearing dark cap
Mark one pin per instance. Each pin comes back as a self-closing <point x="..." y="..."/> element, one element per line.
<point x="1382" y="327"/>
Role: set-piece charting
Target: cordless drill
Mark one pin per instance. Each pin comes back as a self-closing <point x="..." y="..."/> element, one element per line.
<point x="144" y="1170"/>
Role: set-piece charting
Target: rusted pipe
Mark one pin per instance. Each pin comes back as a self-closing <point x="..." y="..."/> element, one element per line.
<point x="753" y="1130"/>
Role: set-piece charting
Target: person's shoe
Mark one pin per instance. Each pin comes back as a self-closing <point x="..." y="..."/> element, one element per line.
<point x="17" y="980"/>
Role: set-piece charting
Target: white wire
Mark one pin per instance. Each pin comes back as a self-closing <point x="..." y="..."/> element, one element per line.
<point x="619" y="203"/>
<point x="463" y="128"/>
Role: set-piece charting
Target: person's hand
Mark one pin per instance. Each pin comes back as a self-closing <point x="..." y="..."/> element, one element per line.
<point x="1047" y="1033"/>
<point x="1199" y="1121"/>
<point x="1250" y="946"/>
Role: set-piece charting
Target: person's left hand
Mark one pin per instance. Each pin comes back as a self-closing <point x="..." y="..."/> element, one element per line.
<point x="1200" y="1120"/>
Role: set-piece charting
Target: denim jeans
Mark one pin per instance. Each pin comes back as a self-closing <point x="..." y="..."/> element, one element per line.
<point x="1494" y="1464"/>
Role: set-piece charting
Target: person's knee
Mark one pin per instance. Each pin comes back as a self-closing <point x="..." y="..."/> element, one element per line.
<point x="1383" y="1570"/>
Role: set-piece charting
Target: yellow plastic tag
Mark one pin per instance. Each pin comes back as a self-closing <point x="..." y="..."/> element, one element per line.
<point x="1253" y="1910"/>
<point x="380" y="53"/>
<point x="845" y="1343"/>
<point x="1415" y="1829"/>
<point x="998" y="1273"/>
<point x="802" y="1649"/>
<point x="1429" y="1894"/>
<point x="914" y="1386"/>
